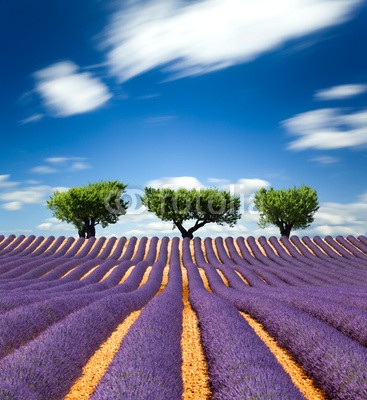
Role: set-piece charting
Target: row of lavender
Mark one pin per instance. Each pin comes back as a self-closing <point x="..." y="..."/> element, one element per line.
<point x="313" y="304"/>
<point x="276" y="264"/>
<point x="270" y="262"/>
<point x="303" y="300"/>
<point x="348" y="250"/>
<point x="33" y="246"/>
<point x="53" y="322"/>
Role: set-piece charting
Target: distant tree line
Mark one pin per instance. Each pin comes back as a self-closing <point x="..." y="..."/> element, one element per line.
<point x="102" y="204"/>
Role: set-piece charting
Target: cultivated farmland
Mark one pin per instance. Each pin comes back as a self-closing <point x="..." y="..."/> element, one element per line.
<point x="168" y="319"/>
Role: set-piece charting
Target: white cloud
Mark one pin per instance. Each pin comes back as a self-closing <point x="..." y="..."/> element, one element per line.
<point x="186" y="182"/>
<point x="325" y="160"/>
<point x="63" y="160"/>
<point x="43" y="170"/>
<point x="30" y="195"/>
<point x="57" y="160"/>
<point x="327" y="129"/>
<point x="191" y="38"/>
<point x="342" y="214"/>
<point x="160" y="226"/>
<point x="218" y="181"/>
<point x="325" y="230"/>
<point x="66" y="91"/>
<point x="31" y="119"/>
<point x="61" y="164"/>
<point x="135" y="232"/>
<point x="12" y="206"/>
<point x="340" y="92"/>
<point x="245" y="186"/>
<point x="130" y="217"/>
<point x="5" y="183"/>
<point x="16" y="199"/>
<point x="80" y="165"/>
<point x="53" y="224"/>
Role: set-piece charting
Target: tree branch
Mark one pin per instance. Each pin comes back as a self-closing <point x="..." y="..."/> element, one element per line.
<point x="197" y="226"/>
<point x="180" y="228"/>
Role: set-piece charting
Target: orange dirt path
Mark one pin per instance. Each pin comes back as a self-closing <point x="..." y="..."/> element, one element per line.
<point x="298" y="376"/>
<point x="97" y="365"/>
<point x="195" y="374"/>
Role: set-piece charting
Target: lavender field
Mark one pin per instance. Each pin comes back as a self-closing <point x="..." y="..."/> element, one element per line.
<point x="149" y="318"/>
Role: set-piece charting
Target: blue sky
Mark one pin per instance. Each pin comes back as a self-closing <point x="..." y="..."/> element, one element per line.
<point x="236" y="94"/>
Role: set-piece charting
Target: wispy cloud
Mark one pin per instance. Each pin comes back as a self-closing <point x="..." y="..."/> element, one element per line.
<point x="191" y="38"/>
<point x="31" y="119"/>
<point x="12" y="206"/>
<point x="325" y="160"/>
<point x="57" y="160"/>
<point x="327" y="128"/>
<point x="43" y="170"/>
<point x="80" y="165"/>
<point x="159" y="120"/>
<point x="29" y="195"/>
<point x="13" y="200"/>
<point x="6" y="183"/>
<point x="340" y="92"/>
<point x="66" y="91"/>
<point x="148" y="96"/>
<point x="54" y="225"/>
<point x="61" y="164"/>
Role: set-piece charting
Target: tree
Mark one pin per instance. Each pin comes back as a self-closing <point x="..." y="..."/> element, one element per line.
<point x="287" y="208"/>
<point x="203" y="206"/>
<point x="87" y="206"/>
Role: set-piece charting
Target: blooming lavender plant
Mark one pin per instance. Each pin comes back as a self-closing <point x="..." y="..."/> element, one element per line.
<point x="336" y="364"/>
<point x="48" y="365"/>
<point x="147" y="369"/>
<point x="240" y="365"/>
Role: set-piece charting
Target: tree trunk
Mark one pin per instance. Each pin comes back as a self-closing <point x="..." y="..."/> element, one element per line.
<point x="184" y="232"/>
<point x="285" y="230"/>
<point x="82" y="232"/>
<point x="187" y="234"/>
<point x="91" y="231"/>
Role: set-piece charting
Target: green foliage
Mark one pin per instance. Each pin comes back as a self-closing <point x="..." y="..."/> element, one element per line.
<point x="287" y="208"/>
<point x="87" y="206"/>
<point x="203" y="206"/>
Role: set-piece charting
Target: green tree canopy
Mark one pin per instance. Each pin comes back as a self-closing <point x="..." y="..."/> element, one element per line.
<point x="288" y="209"/>
<point x="203" y="206"/>
<point x="87" y="206"/>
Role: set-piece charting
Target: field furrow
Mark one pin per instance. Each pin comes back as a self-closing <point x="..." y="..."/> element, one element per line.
<point x="223" y="318"/>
